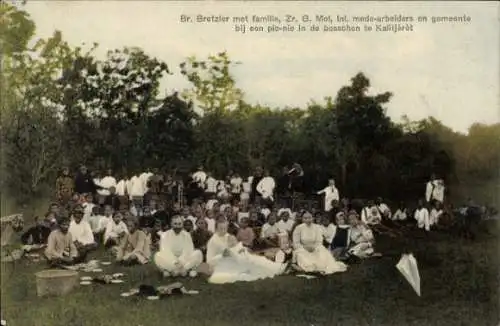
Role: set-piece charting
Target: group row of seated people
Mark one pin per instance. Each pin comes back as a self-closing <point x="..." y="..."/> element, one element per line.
<point x="267" y="239"/>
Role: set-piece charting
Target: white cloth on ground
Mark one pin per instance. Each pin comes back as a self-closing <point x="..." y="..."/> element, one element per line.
<point x="239" y="265"/>
<point x="309" y="252"/>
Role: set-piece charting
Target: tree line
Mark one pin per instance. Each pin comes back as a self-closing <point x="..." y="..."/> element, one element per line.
<point x="63" y="106"/>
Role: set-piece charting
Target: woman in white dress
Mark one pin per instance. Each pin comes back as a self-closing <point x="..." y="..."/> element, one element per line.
<point x="309" y="252"/>
<point x="231" y="262"/>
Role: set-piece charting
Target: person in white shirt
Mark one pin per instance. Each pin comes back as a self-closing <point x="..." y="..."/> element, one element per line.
<point x="338" y="236"/>
<point x="331" y="193"/>
<point x="177" y="256"/>
<point x="266" y="186"/>
<point x="309" y="252"/>
<point x="370" y="214"/>
<point x="236" y="185"/>
<point x="95" y="220"/>
<point x="81" y="233"/>
<point x="435" y="214"/>
<point x="210" y="186"/>
<point x="422" y="216"/>
<point x="285" y="224"/>
<point x="121" y="187"/>
<point x="384" y="210"/>
<point x="144" y="177"/>
<point x="107" y="182"/>
<point x="135" y="188"/>
<point x="434" y="190"/>
<point x="222" y="189"/>
<point x="401" y="213"/>
<point x="115" y="231"/>
<point x="200" y="177"/>
<point x="246" y="190"/>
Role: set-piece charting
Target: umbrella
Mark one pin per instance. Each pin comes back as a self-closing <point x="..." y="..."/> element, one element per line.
<point x="407" y="265"/>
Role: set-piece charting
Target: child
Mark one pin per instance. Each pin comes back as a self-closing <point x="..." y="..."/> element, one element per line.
<point x="245" y="234"/>
<point x="115" y="231"/>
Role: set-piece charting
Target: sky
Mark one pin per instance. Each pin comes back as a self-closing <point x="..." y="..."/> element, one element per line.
<point x="449" y="70"/>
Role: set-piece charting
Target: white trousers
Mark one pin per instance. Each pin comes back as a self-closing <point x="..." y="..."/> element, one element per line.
<point x="165" y="261"/>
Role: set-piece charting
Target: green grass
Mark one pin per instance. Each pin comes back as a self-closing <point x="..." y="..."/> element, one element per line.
<point x="459" y="287"/>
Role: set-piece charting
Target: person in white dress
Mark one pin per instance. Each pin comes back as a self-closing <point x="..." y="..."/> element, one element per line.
<point x="309" y="253"/>
<point x="231" y="262"/>
<point x="177" y="256"/>
<point x="331" y="193"/>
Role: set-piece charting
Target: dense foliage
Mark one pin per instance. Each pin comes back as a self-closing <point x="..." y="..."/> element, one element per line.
<point x="63" y="106"/>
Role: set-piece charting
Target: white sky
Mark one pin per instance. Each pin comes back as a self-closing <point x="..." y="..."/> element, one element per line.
<point x="448" y="70"/>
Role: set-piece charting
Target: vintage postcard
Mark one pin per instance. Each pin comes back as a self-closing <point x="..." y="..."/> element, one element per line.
<point x="238" y="163"/>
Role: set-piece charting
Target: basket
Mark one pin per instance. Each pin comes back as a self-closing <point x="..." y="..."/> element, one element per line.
<point x="55" y="282"/>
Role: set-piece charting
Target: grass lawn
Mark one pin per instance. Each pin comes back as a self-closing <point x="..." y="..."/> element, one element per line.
<point x="460" y="282"/>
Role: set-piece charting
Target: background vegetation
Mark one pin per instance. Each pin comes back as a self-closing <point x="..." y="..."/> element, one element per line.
<point x="61" y="105"/>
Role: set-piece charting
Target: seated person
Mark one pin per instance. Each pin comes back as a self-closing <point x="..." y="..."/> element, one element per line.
<point x="230" y="262"/>
<point x="328" y="229"/>
<point x="309" y="252"/>
<point x="38" y="234"/>
<point x="245" y="234"/>
<point x="340" y="238"/>
<point x="112" y="199"/>
<point x="115" y="231"/>
<point x="201" y="236"/>
<point x="61" y="249"/>
<point x="135" y="246"/>
<point x="401" y="214"/>
<point x="95" y="219"/>
<point x="285" y="224"/>
<point x="81" y="233"/>
<point x="233" y="225"/>
<point x="177" y="255"/>
<point x="372" y="217"/>
<point x="362" y="240"/>
<point x="435" y="214"/>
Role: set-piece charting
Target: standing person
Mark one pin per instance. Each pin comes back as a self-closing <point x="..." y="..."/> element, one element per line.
<point x="283" y="188"/>
<point x="255" y="196"/>
<point x="434" y="190"/>
<point x="236" y="183"/>
<point x="65" y="186"/>
<point x="331" y="193"/>
<point x="422" y="216"/>
<point x="210" y="187"/>
<point x="84" y="184"/>
<point x="265" y="188"/>
<point x="106" y="183"/>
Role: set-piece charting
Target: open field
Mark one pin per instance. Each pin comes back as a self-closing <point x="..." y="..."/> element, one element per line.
<point x="459" y="287"/>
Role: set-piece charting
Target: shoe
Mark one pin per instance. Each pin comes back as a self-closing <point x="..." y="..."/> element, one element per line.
<point x="280" y="257"/>
<point x="193" y="273"/>
<point x="166" y="274"/>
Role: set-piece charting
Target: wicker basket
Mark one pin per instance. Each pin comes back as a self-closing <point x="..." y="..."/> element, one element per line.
<point x="55" y="282"/>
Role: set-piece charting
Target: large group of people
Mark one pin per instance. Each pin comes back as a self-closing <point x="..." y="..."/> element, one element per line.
<point x="233" y="229"/>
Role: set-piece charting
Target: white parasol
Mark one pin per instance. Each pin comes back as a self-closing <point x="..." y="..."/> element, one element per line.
<point x="407" y="265"/>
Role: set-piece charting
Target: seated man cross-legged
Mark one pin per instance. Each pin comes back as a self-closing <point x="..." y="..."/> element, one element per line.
<point x="177" y="256"/>
<point x="61" y="249"/>
<point x="135" y="247"/>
